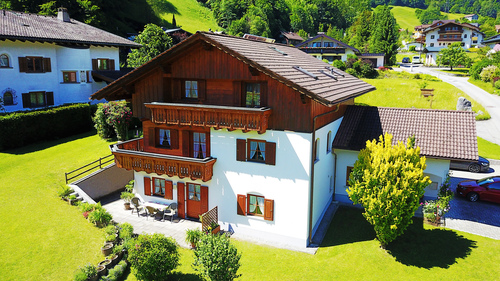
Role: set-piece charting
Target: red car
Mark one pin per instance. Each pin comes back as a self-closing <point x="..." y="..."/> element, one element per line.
<point x="487" y="189"/>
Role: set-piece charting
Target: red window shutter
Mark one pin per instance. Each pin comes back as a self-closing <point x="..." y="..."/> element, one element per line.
<point x="49" y="96"/>
<point x="147" y="186"/>
<point x="169" y="190"/>
<point x="268" y="209"/>
<point x="94" y="64"/>
<point x="180" y="200"/>
<point x="202" y="90"/>
<point x="241" y="152"/>
<point x="23" y="64"/>
<point x="111" y="65"/>
<point x="46" y="65"/>
<point x="204" y="199"/>
<point x="26" y="100"/>
<point x="242" y="205"/>
<point x="271" y="153"/>
<point x="152" y="137"/>
<point x="174" y="139"/>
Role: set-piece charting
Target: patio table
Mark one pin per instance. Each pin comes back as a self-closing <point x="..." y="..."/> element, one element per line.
<point x="159" y="206"/>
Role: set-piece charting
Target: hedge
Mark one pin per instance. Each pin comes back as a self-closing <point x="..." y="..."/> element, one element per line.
<point x="27" y="127"/>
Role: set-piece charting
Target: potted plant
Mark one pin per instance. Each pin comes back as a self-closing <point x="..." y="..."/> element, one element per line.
<point x="110" y="234"/>
<point x="102" y="270"/>
<point x="107" y="249"/>
<point x="424" y="91"/>
<point x="215" y="227"/>
<point x="64" y="192"/>
<point x="100" y="217"/>
<point x="127" y="197"/>
<point x="71" y="199"/>
<point x="192" y="236"/>
<point x="88" y="272"/>
<point x="106" y="263"/>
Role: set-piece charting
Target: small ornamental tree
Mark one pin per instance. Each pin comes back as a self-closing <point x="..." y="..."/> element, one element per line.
<point x="153" y="256"/>
<point x="112" y="119"/>
<point x="388" y="181"/>
<point x="216" y="259"/>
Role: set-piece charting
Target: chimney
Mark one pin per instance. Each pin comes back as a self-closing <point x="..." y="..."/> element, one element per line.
<point x="62" y="14"/>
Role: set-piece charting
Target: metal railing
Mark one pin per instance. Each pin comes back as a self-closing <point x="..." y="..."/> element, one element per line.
<point x="98" y="164"/>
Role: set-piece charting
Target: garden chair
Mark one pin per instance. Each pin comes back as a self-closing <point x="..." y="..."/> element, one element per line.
<point x="136" y="205"/>
<point x="151" y="211"/>
<point x="170" y="211"/>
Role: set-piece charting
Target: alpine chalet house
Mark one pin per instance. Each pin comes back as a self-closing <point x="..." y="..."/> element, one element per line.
<point x="48" y="61"/>
<point x="243" y="125"/>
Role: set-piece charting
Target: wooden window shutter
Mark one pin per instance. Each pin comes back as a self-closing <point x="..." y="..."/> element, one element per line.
<point x="152" y="137"/>
<point x="202" y="91"/>
<point x="46" y="65"/>
<point x="94" y="64"/>
<point x="169" y="190"/>
<point x="263" y="94"/>
<point x="237" y="93"/>
<point x="241" y="152"/>
<point x="268" y="209"/>
<point x="271" y="153"/>
<point x="111" y="65"/>
<point x="23" y="64"/>
<point x="178" y="88"/>
<point x="204" y="199"/>
<point x="180" y="200"/>
<point x="147" y="186"/>
<point x="26" y="100"/>
<point x="49" y="97"/>
<point x="242" y="205"/>
<point x="174" y="139"/>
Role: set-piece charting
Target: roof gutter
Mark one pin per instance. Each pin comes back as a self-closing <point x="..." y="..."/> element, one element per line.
<point x="313" y="157"/>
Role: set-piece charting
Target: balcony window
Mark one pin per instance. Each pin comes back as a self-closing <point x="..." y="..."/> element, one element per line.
<point x="253" y="95"/>
<point x="328" y="44"/>
<point x="199" y="145"/>
<point x="103" y="64"/>
<point x="164" y="138"/>
<point x="191" y="89"/>
<point x="316" y="44"/>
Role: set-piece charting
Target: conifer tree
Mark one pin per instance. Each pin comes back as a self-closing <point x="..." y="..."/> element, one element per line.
<point x="385" y="35"/>
<point x="361" y="31"/>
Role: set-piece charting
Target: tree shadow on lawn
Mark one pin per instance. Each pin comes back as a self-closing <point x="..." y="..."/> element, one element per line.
<point x="419" y="247"/>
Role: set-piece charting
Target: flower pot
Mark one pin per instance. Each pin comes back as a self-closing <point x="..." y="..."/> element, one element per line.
<point x="94" y="278"/>
<point x="106" y="263"/>
<point x="216" y="230"/>
<point x="107" y="249"/>
<point x="437" y="223"/>
<point x="115" y="260"/>
<point x="127" y="206"/>
<point x="102" y="270"/>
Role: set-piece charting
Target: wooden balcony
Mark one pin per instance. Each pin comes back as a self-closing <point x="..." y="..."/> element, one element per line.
<point x="449" y="39"/>
<point x="213" y="116"/>
<point x="454" y="31"/>
<point x="129" y="155"/>
<point x="323" y="50"/>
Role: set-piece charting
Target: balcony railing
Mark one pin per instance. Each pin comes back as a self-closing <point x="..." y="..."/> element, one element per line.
<point x="450" y="31"/>
<point x="449" y="39"/>
<point x="323" y="50"/>
<point x="129" y="155"/>
<point x="218" y="117"/>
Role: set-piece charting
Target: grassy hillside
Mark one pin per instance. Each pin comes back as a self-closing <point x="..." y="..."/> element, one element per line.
<point x="190" y="15"/>
<point x="405" y="16"/>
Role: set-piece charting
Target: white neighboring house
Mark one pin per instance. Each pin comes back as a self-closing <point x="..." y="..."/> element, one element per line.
<point x="48" y="61"/>
<point x="442" y="33"/>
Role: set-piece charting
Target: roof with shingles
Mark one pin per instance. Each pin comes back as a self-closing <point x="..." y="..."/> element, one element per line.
<point x="444" y="134"/>
<point x="33" y="27"/>
<point x="275" y="60"/>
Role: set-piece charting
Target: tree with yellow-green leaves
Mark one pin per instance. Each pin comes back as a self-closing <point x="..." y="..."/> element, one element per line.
<point x="388" y="181"/>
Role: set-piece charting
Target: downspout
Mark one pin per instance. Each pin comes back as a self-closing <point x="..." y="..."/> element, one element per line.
<point x="334" y="173"/>
<point x="313" y="157"/>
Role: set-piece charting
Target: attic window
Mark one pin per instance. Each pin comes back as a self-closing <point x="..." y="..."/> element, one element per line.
<point x="305" y="72"/>
<point x="335" y="71"/>
<point x="278" y="50"/>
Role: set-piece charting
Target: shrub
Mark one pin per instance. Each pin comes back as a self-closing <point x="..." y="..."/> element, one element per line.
<point x="126" y="230"/>
<point x="497" y="84"/>
<point x="153" y="257"/>
<point x="476" y="68"/>
<point x="339" y="64"/>
<point x="129" y="187"/>
<point x="216" y="258"/>
<point x="100" y="217"/>
<point x="367" y="70"/>
<point x="111" y="117"/>
<point x="64" y="191"/>
<point x="412" y="49"/>
<point x="489" y="72"/>
<point x="193" y="235"/>
<point x="29" y="127"/>
<point x="83" y="273"/>
<point x="116" y="272"/>
<point x="351" y="71"/>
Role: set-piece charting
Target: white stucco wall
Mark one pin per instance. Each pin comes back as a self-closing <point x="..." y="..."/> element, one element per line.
<point x="61" y="59"/>
<point x="436" y="169"/>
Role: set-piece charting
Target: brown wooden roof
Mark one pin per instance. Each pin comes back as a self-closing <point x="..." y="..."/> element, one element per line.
<point x="288" y="65"/>
<point x="439" y="133"/>
<point x="33" y="27"/>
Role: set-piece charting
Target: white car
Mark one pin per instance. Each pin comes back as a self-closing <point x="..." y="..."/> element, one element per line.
<point x="416" y="59"/>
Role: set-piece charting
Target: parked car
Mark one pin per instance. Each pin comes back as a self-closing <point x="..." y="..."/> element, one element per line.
<point x="416" y="59"/>
<point x="406" y="60"/>
<point x="487" y="189"/>
<point x="482" y="165"/>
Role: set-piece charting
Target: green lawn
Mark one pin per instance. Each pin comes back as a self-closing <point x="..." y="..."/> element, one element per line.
<point x="462" y="72"/>
<point x="406" y="18"/>
<point x="400" y="92"/>
<point x="487" y="86"/>
<point x="190" y="15"/>
<point x="488" y="149"/>
<point x="43" y="238"/>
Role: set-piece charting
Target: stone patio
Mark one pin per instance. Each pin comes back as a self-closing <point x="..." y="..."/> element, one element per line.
<point x="142" y="224"/>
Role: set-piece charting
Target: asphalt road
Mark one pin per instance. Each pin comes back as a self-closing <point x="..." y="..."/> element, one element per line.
<point x="489" y="129"/>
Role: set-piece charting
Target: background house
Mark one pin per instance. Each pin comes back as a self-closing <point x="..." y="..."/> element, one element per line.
<point x="49" y="60"/>
<point x="240" y="124"/>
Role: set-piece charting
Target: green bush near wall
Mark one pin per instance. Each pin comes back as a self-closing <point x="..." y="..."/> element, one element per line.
<point x="22" y="128"/>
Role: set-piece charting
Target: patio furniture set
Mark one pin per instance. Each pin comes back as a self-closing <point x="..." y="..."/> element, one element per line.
<point x="153" y="209"/>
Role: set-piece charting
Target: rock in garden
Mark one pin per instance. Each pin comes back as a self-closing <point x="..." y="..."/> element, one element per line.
<point x="463" y="104"/>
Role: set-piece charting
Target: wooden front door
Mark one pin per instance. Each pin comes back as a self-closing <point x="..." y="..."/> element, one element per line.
<point x="197" y="200"/>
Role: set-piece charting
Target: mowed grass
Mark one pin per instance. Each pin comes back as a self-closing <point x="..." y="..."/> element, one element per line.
<point x="488" y="149"/>
<point x="401" y="92"/>
<point x="190" y="15"/>
<point x="41" y="236"/>
<point x="487" y="86"/>
<point x="406" y="18"/>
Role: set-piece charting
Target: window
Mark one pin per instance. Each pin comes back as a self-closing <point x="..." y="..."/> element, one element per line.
<point x="69" y="76"/>
<point x="159" y="186"/>
<point x="8" y="98"/>
<point x="348" y="173"/>
<point x="4" y="61"/>
<point x="103" y="64"/>
<point x="194" y="192"/>
<point x="316" y="44"/>
<point x="164" y="138"/>
<point x="432" y="36"/>
<point x="316" y="150"/>
<point x="328" y="142"/>
<point x="255" y="205"/>
<point x="38" y="99"/>
<point x="252" y="150"/>
<point x="199" y="145"/>
<point x="191" y="89"/>
<point x="432" y="44"/>
<point x="34" y="64"/>
<point x="465" y="35"/>
<point x="253" y="95"/>
<point x="328" y="44"/>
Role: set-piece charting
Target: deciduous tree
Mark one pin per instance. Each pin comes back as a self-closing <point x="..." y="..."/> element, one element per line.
<point x="388" y="181"/>
<point x="453" y="55"/>
<point x="154" y="41"/>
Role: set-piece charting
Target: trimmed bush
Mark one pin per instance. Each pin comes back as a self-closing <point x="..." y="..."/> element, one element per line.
<point x="215" y="258"/>
<point x="489" y="72"/>
<point x="339" y="64"/>
<point x="476" y="68"/>
<point x="29" y="127"/>
<point x="153" y="257"/>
